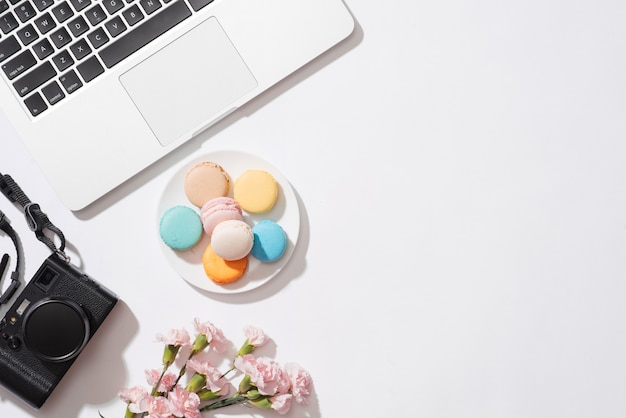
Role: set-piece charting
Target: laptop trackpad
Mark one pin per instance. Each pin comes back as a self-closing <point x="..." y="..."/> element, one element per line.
<point x="194" y="78"/>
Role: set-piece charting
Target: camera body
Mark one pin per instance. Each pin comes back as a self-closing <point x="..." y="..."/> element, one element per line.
<point x="48" y="326"/>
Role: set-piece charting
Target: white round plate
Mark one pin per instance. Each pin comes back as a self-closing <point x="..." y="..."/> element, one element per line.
<point x="188" y="264"/>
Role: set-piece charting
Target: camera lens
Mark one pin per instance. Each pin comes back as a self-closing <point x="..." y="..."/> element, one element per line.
<point x="56" y="330"/>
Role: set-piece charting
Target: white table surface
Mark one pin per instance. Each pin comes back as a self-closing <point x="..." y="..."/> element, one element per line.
<point x="461" y="170"/>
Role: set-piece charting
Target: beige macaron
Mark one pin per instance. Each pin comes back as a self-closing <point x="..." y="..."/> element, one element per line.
<point x="205" y="181"/>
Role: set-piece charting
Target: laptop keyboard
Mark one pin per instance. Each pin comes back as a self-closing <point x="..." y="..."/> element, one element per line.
<point x="49" y="49"/>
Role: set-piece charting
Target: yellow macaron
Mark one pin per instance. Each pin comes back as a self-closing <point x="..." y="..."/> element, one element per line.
<point x="256" y="191"/>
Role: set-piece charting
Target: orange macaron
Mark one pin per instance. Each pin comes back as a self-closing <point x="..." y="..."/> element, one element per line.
<point x="222" y="271"/>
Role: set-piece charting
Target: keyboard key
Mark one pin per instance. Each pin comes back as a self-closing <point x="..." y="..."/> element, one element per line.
<point x="95" y="15"/>
<point x="80" y="49"/>
<point x="43" y="4"/>
<point x="70" y="81"/>
<point x="53" y="92"/>
<point x="199" y="4"/>
<point x="4" y="6"/>
<point x="132" y="15"/>
<point x="19" y="64"/>
<point x="90" y="69"/>
<point x="80" y="4"/>
<point x="35" y="104"/>
<point x="25" y="11"/>
<point x="150" y="6"/>
<point x="63" y="60"/>
<point x="78" y="26"/>
<point x="62" y="12"/>
<point x="113" y="6"/>
<point x="115" y="26"/>
<point x="27" y="34"/>
<point x="60" y="38"/>
<point x="98" y="38"/>
<point x="8" y="47"/>
<point x="8" y="22"/>
<point x="45" y="23"/>
<point x="43" y="48"/>
<point x="34" y="79"/>
<point x="144" y="33"/>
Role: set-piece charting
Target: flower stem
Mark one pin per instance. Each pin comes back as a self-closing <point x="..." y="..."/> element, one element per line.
<point x="181" y="373"/>
<point x="225" y="402"/>
<point x="228" y="371"/>
<point x="156" y="385"/>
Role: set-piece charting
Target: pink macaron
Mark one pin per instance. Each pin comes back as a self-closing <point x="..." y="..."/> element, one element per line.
<point x="218" y="210"/>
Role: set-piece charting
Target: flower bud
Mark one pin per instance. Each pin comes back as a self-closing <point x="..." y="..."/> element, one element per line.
<point x="245" y="384"/>
<point x="196" y="383"/>
<point x="169" y="354"/>
<point x="128" y="413"/>
<point x="199" y="344"/>
<point x="253" y="394"/>
<point x="206" y="395"/>
<point x="246" y="348"/>
<point x="263" y="403"/>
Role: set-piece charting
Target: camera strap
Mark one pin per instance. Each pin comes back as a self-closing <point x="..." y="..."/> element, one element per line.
<point x="37" y="220"/>
<point x="15" y="275"/>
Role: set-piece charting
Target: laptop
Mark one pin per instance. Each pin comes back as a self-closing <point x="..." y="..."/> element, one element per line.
<point x="100" y="89"/>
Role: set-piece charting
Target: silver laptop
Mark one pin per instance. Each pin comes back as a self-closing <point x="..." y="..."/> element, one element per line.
<point x="100" y="89"/>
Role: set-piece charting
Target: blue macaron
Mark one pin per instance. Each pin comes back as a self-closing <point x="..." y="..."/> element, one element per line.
<point x="180" y="227"/>
<point x="270" y="241"/>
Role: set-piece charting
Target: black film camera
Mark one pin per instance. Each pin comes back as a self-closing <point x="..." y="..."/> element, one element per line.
<point x="48" y="326"/>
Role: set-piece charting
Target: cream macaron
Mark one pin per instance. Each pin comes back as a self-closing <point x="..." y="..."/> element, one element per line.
<point x="232" y="240"/>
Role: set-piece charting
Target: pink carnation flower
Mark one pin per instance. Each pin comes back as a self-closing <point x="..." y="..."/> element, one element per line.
<point x="300" y="381"/>
<point x="265" y="374"/>
<point x="215" y="381"/>
<point x="155" y="406"/>
<point x="214" y="336"/>
<point x="167" y="382"/>
<point x="176" y="337"/>
<point x="184" y="403"/>
<point x="255" y="336"/>
<point x="134" y="397"/>
<point x="281" y="403"/>
<point x="133" y="394"/>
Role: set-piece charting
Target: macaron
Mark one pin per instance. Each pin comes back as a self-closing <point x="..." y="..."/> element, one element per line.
<point x="217" y="210"/>
<point x="180" y="227"/>
<point x="222" y="271"/>
<point x="256" y="191"/>
<point x="232" y="240"/>
<point x="205" y="181"/>
<point x="270" y="241"/>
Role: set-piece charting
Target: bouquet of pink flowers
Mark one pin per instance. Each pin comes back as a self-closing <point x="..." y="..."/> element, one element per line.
<point x="264" y="383"/>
